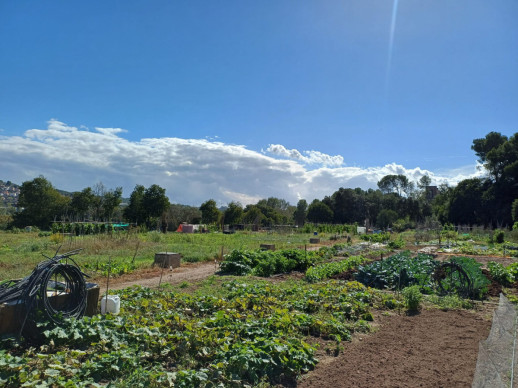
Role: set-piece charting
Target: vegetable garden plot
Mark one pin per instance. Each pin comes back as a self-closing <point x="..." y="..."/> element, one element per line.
<point x="461" y="275"/>
<point x="254" y="332"/>
<point x="399" y="271"/>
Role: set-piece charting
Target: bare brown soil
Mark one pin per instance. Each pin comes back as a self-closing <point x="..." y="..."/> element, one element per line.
<point x="432" y="349"/>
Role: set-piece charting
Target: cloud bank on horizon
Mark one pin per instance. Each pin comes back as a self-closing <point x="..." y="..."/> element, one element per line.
<point x="191" y="170"/>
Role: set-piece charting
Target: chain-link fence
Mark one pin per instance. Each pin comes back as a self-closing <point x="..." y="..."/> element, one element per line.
<point x="496" y="363"/>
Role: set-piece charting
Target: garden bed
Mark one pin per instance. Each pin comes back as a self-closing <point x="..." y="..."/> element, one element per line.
<point x="432" y="349"/>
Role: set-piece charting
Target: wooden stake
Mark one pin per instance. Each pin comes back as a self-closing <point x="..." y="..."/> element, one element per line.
<point x="107" y="284"/>
<point x="135" y="254"/>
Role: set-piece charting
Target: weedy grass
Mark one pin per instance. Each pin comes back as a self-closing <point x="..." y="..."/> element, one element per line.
<point x="449" y="302"/>
<point x="21" y="252"/>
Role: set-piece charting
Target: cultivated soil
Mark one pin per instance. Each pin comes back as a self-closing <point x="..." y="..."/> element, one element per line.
<point x="433" y="348"/>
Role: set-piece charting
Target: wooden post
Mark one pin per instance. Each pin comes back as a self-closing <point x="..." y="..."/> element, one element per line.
<point x="135" y="254"/>
<point x="107" y="285"/>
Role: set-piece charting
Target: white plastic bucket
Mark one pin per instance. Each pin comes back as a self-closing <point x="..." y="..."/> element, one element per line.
<point x="110" y="304"/>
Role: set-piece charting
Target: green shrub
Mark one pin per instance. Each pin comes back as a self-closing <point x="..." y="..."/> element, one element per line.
<point x="15" y="230"/>
<point x="499" y="273"/>
<point x="412" y="297"/>
<point x="399" y="243"/>
<point x="499" y="237"/>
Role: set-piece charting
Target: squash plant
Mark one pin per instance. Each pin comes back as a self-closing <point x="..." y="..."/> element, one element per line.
<point x="255" y="332"/>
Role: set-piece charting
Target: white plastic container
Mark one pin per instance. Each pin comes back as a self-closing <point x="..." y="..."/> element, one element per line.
<point x="111" y="304"/>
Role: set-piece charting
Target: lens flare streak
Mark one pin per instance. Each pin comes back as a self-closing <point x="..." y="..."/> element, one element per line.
<point x="391" y="43"/>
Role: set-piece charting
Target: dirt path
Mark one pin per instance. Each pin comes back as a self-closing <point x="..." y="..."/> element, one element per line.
<point x="432" y="349"/>
<point x="187" y="272"/>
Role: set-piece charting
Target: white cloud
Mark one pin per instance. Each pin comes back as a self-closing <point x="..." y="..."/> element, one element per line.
<point x="110" y="131"/>
<point x="191" y="170"/>
<point x="306" y="157"/>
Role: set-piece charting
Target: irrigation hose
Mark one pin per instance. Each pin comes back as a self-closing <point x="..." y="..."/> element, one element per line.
<point x="34" y="290"/>
<point x="74" y="288"/>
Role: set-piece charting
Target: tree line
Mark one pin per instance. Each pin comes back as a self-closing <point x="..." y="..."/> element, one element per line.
<point x="41" y="204"/>
<point x="490" y="201"/>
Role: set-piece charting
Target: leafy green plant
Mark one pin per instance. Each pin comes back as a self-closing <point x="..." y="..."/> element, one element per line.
<point x="412" y="297"/>
<point x="399" y="243"/>
<point x="376" y="238"/>
<point x="253" y="333"/>
<point x="267" y="263"/>
<point x="326" y="270"/>
<point x="114" y="267"/>
<point x="399" y="271"/>
<point x="473" y="269"/>
<point x="500" y="273"/>
<point x="513" y="271"/>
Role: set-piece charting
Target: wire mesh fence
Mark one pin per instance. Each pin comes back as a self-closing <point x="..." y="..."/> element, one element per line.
<point x="496" y="362"/>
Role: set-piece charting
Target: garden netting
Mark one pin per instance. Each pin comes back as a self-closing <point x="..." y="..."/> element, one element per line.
<point x="497" y="355"/>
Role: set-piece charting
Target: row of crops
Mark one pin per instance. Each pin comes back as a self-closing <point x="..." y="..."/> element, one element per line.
<point x="254" y="332"/>
<point x="459" y="275"/>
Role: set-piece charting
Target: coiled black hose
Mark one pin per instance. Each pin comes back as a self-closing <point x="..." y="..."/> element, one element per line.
<point x="57" y="300"/>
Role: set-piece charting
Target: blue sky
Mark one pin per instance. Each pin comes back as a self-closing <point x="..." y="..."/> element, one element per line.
<point x="287" y="98"/>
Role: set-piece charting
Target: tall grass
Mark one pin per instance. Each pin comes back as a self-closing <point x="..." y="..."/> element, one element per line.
<point x="20" y="252"/>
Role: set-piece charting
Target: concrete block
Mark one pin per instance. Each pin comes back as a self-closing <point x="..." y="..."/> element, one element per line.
<point x="167" y="259"/>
